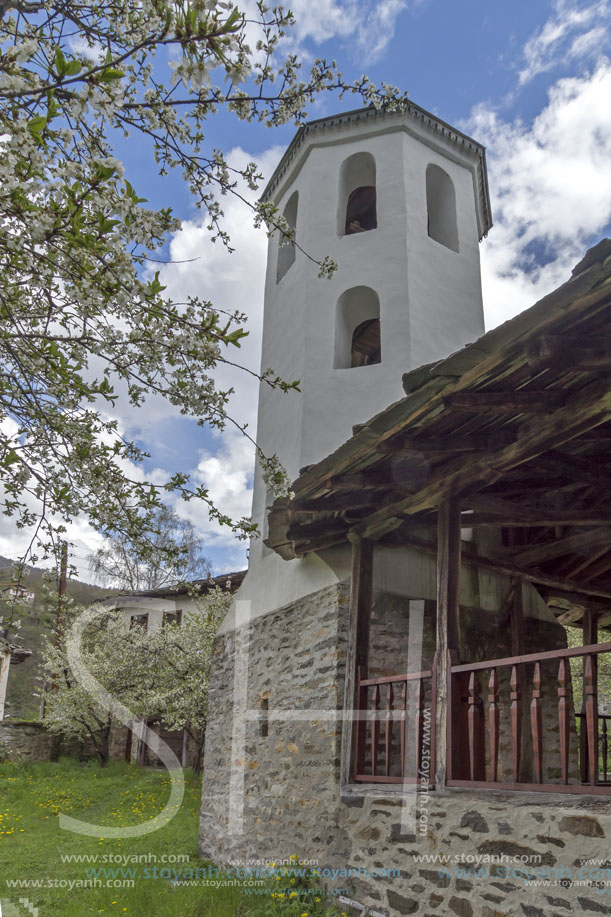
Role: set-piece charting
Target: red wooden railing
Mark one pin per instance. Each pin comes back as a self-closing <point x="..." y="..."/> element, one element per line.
<point x="603" y="744"/>
<point x="468" y="762"/>
<point x="389" y="718"/>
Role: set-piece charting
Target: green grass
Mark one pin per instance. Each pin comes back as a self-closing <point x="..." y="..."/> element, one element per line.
<point x="33" y="847"/>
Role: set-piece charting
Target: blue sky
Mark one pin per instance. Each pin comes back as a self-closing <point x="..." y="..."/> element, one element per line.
<point x="532" y="81"/>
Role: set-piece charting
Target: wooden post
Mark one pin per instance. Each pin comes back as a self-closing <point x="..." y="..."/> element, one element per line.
<point x="448" y="575"/>
<point x="564" y="679"/>
<point x="536" y="724"/>
<point x="516" y="623"/>
<point x="590" y="636"/>
<point x="477" y="745"/>
<point x="591" y="699"/>
<point x="361" y="587"/>
<point x="493" y="724"/>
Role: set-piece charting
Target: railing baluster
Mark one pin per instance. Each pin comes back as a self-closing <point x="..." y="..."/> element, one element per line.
<point x="591" y="695"/>
<point x="604" y="747"/>
<point x="375" y="730"/>
<point x="360" y="732"/>
<point x="403" y="721"/>
<point x="493" y="724"/>
<point x="516" y="721"/>
<point x="536" y="723"/>
<point x="563" y="717"/>
<point x="419" y="725"/>
<point x="477" y="752"/>
<point x="388" y="736"/>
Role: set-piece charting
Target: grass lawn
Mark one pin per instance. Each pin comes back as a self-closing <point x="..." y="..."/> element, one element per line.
<point x="33" y="848"/>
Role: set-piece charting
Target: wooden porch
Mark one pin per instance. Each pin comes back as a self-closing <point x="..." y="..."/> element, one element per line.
<point x="498" y="459"/>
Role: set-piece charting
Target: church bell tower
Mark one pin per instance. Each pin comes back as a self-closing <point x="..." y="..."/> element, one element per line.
<point x="400" y="201"/>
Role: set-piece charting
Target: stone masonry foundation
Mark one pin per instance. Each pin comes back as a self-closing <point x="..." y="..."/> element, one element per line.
<point x="272" y="788"/>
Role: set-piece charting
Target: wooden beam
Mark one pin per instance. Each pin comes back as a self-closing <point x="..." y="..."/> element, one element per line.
<point x="560" y="547"/>
<point x="554" y="349"/>
<point x="489" y="503"/>
<point x="404" y="475"/>
<point x="361" y="591"/>
<point x="308" y="532"/>
<point x="591" y="407"/>
<point x="339" y="502"/>
<point x="448" y="577"/>
<point x="547" y="519"/>
<point x="376" y="478"/>
<point x="570" y="617"/>
<point x="542" y="402"/>
<point x="587" y="470"/>
<point x="450" y="443"/>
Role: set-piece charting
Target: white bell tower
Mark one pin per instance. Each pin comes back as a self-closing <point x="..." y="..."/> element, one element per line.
<point x="400" y="202"/>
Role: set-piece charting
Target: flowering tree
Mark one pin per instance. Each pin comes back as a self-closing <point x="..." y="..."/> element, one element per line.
<point x="83" y="322"/>
<point x="163" y="671"/>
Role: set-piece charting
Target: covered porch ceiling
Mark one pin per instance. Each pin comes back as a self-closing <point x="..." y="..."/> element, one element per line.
<point x="516" y="427"/>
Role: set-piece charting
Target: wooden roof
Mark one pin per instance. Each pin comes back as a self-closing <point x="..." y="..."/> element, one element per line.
<point x="517" y="426"/>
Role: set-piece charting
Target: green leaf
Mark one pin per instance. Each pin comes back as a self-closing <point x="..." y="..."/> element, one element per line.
<point x="74" y="67"/>
<point x="60" y="62"/>
<point x="108" y="75"/>
<point x="10" y="458"/>
<point x="36" y="126"/>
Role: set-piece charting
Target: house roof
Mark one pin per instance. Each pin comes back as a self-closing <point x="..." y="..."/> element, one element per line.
<point x="516" y="426"/>
<point x="230" y="581"/>
<point x="18" y="653"/>
<point x="313" y="132"/>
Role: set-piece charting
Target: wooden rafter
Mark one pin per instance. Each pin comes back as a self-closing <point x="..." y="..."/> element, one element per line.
<point x="531" y="402"/>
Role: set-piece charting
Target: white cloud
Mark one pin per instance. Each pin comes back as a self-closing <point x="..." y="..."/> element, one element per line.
<point x="572" y="33"/>
<point x="364" y="27"/>
<point x="551" y="191"/>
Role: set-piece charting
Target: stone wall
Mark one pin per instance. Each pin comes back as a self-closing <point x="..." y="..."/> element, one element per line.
<point x="25" y="741"/>
<point x="285" y="772"/>
<point x="272" y="782"/>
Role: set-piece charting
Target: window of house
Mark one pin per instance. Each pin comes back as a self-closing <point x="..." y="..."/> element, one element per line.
<point x="357" y="195"/>
<point x="441" y="207"/>
<point x="286" y="247"/>
<point x="139" y="621"/>
<point x="171" y="617"/>
<point x="357" y="329"/>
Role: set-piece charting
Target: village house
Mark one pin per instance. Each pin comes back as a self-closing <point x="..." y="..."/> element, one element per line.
<point x="153" y="609"/>
<point x="394" y="680"/>
<point x="14" y="592"/>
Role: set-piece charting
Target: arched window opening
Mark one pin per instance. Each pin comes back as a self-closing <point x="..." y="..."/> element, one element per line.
<point x="366" y="343"/>
<point x="286" y="247"/>
<point x="357" y="329"/>
<point x="357" y="210"/>
<point x="361" y="210"/>
<point x="441" y="207"/>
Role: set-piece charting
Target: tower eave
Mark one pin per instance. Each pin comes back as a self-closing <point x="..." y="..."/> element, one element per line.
<point x="307" y="133"/>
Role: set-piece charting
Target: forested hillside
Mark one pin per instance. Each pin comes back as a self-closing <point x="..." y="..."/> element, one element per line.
<point x="37" y="621"/>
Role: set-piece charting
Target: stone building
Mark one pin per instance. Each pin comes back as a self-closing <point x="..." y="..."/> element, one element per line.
<point x="393" y="682"/>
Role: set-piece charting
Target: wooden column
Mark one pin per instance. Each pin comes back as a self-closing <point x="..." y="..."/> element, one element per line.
<point x="361" y="587"/>
<point x="516" y="624"/>
<point x="590" y="636"/>
<point x="448" y="576"/>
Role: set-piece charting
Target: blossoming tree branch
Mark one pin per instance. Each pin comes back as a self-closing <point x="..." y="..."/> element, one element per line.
<point x="83" y="322"/>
